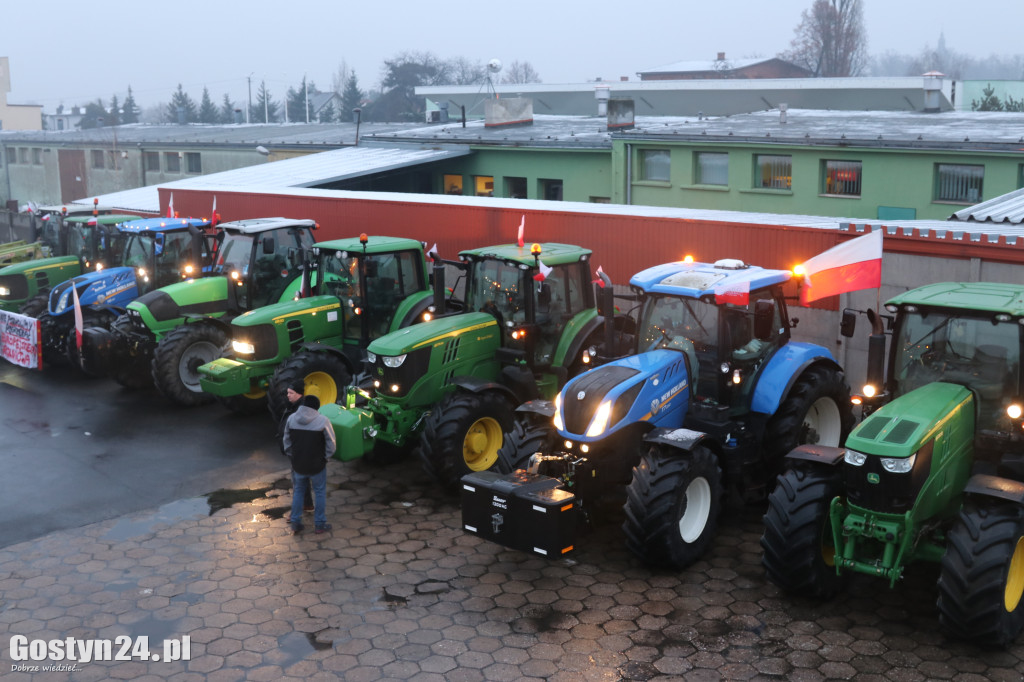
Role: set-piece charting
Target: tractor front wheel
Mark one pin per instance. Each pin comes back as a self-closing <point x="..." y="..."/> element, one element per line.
<point x="463" y="434"/>
<point x="178" y="357"/>
<point x="323" y="374"/>
<point x="36" y="306"/>
<point x="672" y="505"/>
<point x="799" y="554"/>
<point x="133" y="371"/>
<point x="981" y="579"/>
<point x="528" y="435"/>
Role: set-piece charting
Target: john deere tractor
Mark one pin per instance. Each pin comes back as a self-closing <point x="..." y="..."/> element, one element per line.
<point x="714" y="396"/>
<point x="451" y="385"/>
<point x="934" y="473"/>
<point x="354" y="290"/>
<point x="78" y="243"/>
<point x="167" y="333"/>
<point x="157" y="252"/>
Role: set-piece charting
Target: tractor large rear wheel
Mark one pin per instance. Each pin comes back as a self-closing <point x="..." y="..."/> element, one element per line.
<point x="672" y="505"/>
<point x="799" y="554"/>
<point x="323" y="374"/>
<point x="528" y="435"/>
<point x="981" y="580"/>
<point x="132" y="371"/>
<point x="178" y="357"/>
<point x="463" y="434"/>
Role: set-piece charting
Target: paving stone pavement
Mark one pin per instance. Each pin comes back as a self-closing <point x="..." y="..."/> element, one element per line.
<point x="396" y="591"/>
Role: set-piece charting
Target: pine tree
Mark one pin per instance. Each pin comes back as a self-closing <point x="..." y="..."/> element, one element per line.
<point x="351" y="98"/>
<point x="227" y="110"/>
<point x="114" y="116"/>
<point x="264" y="108"/>
<point x="297" y="102"/>
<point x="94" y="111"/>
<point x="130" y="113"/>
<point x="207" y="111"/>
<point x="327" y="113"/>
<point x="180" y="101"/>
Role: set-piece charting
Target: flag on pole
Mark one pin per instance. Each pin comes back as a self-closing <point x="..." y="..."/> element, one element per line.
<point x="850" y="266"/>
<point x="544" y="271"/>
<point x="737" y="293"/>
<point x="522" y="225"/>
<point x="170" y="206"/>
<point x="432" y="254"/>
<point x="213" y="214"/>
<point x="78" y="316"/>
<point x="600" y="280"/>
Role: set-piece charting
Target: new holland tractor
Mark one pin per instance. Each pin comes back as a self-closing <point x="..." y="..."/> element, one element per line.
<point x="714" y="396"/>
<point x="77" y="243"/>
<point x="451" y="385"/>
<point x="157" y="252"/>
<point x="354" y="290"/>
<point x="935" y="472"/>
<point x="166" y="334"/>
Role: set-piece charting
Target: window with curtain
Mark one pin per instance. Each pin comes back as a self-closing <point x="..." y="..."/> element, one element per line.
<point x="958" y="183"/>
<point x="711" y="168"/>
<point x="842" y="178"/>
<point x="655" y="164"/>
<point x="773" y="171"/>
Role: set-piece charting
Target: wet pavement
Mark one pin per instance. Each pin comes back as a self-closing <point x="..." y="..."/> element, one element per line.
<point x="396" y="591"/>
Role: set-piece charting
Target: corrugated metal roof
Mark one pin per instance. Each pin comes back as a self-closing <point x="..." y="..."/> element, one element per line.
<point x="1009" y="208"/>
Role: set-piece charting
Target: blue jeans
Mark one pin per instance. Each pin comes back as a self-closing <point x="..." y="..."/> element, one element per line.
<point x="299" y="484"/>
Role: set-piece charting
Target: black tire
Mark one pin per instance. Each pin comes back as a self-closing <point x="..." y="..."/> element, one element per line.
<point x="463" y="434"/>
<point x="178" y="357"/>
<point x="325" y="375"/>
<point x="131" y="372"/>
<point x="797" y="541"/>
<point x="817" y="411"/>
<point x="528" y="435"/>
<point x="72" y="353"/>
<point x="672" y="505"/>
<point x="53" y="340"/>
<point x="981" y="579"/>
<point x="36" y="306"/>
<point x="245" y="403"/>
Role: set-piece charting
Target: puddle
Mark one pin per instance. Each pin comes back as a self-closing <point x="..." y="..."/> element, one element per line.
<point x="297" y="645"/>
<point x="156" y="630"/>
<point x="172" y="512"/>
<point x="276" y="512"/>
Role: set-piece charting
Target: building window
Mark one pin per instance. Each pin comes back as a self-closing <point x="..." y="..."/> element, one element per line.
<point x="711" y="168"/>
<point x="1" y="157"/>
<point x="1020" y="176"/>
<point x="60" y="124"/>
<point x="600" y="200"/>
<point x="453" y="184"/>
<point x="551" y="190"/>
<point x="97" y="159"/>
<point x="958" y="184"/>
<point x="483" y="185"/>
<point x="152" y="161"/>
<point x="37" y="156"/>
<point x="842" y="178"/>
<point x="773" y="172"/>
<point x="515" y="188"/>
<point x="23" y="155"/>
<point x="193" y="162"/>
<point x="172" y="162"/>
<point x="655" y="164"/>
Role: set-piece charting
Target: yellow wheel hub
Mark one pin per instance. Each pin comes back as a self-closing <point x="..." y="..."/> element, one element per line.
<point x="322" y="385"/>
<point x="1014" y="578"/>
<point x="481" y="444"/>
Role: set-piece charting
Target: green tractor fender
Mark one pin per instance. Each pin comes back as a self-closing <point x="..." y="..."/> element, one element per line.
<point x="410" y="309"/>
<point x="818" y="454"/>
<point x="476" y="385"/>
<point x="582" y="329"/>
<point x="985" y="485"/>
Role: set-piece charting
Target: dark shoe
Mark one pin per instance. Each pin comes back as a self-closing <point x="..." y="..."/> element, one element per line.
<point x="323" y="529"/>
<point x="307" y="507"/>
<point x="297" y="528"/>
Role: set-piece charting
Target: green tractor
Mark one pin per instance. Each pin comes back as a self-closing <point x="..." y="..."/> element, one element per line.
<point x="166" y="334"/>
<point x="934" y="472"/>
<point x="78" y="244"/>
<point x="353" y="290"/>
<point x="451" y="385"/>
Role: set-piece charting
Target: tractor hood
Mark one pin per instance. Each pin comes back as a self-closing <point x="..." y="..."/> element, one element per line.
<point x="203" y="296"/>
<point x="605" y="399"/>
<point x="279" y="311"/>
<point x="435" y="332"/>
<point x="28" y="268"/>
<point x="94" y="288"/>
<point x="901" y="427"/>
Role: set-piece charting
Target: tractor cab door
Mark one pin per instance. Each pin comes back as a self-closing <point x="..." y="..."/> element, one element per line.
<point x="232" y="260"/>
<point x="173" y="254"/>
<point x="272" y="269"/>
<point x="558" y="298"/>
<point x="748" y="336"/>
<point x="389" y="279"/>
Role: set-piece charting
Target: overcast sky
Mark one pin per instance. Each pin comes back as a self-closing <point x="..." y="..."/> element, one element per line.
<point x="75" y="52"/>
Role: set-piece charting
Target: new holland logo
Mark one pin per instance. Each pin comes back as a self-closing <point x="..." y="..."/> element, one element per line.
<point x="581" y="395"/>
<point x="655" y="406"/>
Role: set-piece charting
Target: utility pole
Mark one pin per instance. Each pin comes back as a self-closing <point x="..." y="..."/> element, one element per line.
<point x="305" y="84"/>
<point x="266" y="102"/>
<point x="249" y="108"/>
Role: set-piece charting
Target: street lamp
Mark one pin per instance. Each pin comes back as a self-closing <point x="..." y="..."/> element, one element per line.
<point x="359" y="117"/>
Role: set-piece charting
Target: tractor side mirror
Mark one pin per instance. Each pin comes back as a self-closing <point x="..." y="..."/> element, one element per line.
<point x="848" y="324"/>
<point x="764" y="318"/>
<point x="269" y="246"/>
<point x="158" y="244"/>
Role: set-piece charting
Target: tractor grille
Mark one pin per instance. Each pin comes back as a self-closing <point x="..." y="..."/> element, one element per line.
<point x="594" y="386"/>
<point x="296" y="334"/>
<point x="404" y="377"/>
<point x="872" y="487"/>
<point x="42" y="279"/>
<point x="18" y="284"/>
<point x="263" y="337"/>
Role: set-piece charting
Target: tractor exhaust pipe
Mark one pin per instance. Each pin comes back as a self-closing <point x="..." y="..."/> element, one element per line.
<point x="439" y="288"/>
<point x="876" y="350"/>
<point x="606" y="308"/>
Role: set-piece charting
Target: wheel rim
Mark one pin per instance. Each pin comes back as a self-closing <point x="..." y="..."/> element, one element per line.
<point x="481" y="444"/>
<point x="322" y="385"/>
<point x="822" y="424"/>
<point x="1015" y="578"/>
<point x="195" y="356"/>
<point x="698" y="508"/>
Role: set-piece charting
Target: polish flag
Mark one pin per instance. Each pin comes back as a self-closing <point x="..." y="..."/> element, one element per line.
<point x="170" y="206"/>
<point x="432" y="254"/>
<point x="213" y="215"/>
<point x="737" y="293"/>
<point x="522" y="225"/>
<point x="600" y="280"/>
<point x="78" y="316"/>
<point x="850" y="266"/>
<point x="544" y="271"/>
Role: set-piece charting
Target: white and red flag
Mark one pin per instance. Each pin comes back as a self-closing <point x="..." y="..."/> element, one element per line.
<point x="522" y="226"/>
<point x="850" y="266"/>
<point x="544" y="271"/>
<point x="170" y="206"/>
<point x="737" y="293"/>
<point x="600" y="280"/>
<point x="213" y="215"/>
<point x="432" y="254"/>
<point x="78" y="316"/>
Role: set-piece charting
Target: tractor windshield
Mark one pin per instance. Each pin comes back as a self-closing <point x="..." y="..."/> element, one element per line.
<point x="92" y="244"/>
<point x="156" y="271"/>
<point x="981" y="353"/>
<point x="496" y="287"/>
<point x="672" y="318"/>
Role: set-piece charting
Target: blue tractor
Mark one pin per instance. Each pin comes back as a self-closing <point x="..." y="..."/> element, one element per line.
<point x="714" y="397"/>
<point x="157" y="252"/>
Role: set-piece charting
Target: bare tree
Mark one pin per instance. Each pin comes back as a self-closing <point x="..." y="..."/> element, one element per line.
<point x="340" y="78"/>
<point x="520" y="72"/>
<point x="830" y="40"/>
<point x="465" y="72"/>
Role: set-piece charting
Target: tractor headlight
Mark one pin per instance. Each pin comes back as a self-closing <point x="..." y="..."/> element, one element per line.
<point x="371" y="358"/>
<point x="4" y="291"/>
<point x="1014" y="411"/>
<point x="899" y="465"/>
<point x="854" y="458"/>
<point x="869" y="390"/>
<point x="559" y="424"/>
<point x="62" y="303"/>
<point x="600" y="421"/>
<point x="243" y="347"/>
<point x="394" y="361"/>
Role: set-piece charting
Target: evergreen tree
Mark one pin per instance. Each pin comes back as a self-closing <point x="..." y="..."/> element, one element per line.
<point x="207" y="111"/>
<point x="296" y="98"/>
<point x="327" y="114"/>
<point x="113" y="115"/>
<point x="181" y="101"/>
<point x="264" y="109"/>
<point x="130" y="110"/>
<point x="989" y="101"/>
<point x="94" y="111"/>
<point x="227" y="110"/>
<point x="351" y="98"/>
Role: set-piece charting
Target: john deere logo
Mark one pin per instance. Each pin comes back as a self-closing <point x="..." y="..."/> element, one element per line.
<point x="380" y="371"/>
<point x="873" y="478"/>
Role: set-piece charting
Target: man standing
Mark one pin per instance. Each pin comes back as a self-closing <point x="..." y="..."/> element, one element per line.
<point x="294" y="394"/>
<point x="309" y="441"/>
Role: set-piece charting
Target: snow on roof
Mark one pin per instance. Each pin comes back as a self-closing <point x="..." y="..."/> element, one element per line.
<point x="707" y="65"/>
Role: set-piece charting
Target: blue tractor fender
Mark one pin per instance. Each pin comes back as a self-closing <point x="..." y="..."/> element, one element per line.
<point x="782" y="371"/>
<point x="110" y="287"/>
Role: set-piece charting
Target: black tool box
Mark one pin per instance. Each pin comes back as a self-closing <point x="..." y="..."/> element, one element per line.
<point x="523" y="511"/>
